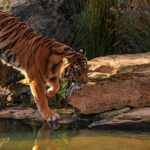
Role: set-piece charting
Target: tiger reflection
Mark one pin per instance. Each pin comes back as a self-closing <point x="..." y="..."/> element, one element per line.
<point x="43" y="141"/>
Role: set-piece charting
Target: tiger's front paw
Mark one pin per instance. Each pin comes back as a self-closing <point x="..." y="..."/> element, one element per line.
<point x="54" y="117"/>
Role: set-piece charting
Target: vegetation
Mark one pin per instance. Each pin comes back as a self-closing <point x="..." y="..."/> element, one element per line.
<point x="95" y="26"/>
<point x="108" y="27"/>
<point x="20" y="95"/>
<point x="136" y="25"/>
<point x="60" y="98"/>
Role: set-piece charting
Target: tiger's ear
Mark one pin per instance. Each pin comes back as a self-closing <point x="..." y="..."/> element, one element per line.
<point x="82" y="51"/>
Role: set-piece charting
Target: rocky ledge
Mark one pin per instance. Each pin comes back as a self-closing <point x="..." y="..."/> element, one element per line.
<point x="115" y="82"/>
<point x="136" y="119"/>
<point x="117" y="96"/>
<point x="32" y="114"/>
<point x="126" y="118"/>
<point x="118" y="90"/>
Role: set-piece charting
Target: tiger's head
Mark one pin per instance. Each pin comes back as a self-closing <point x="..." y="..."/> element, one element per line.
<point x="75" y="67"/>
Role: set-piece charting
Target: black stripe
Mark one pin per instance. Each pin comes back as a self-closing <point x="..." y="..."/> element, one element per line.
<point x="54" y="44"/>
<point x="47" y="64"/>
<point x="27" y="33"/>
<point x="30" y="36"/>
<point x="9" y="58"/>
<point x="52" y="79"/>
<point x="4" y="22"/>
<point x="56" y="53"/>
<point x="9" y="46"/>
<point x="5" y="36"/>
<point x="18" y="29"/>
<point x="41" y="76"/>
<point x="3" y="16"/>
<point x="10" y="26"/>
<point x="67" y="48"/>
<point x="18" y="66"/>
<point x="15" y="35"/>
<point x="8" y="18"/>
<point x="36" y="40"/>
<point x="3" y="49"/>
<point x="48" y="43"/>
<point x="33" y="52"/>
<point x="14" y="58"/>
<point x="7" y="53"/>
<point x="55" y="67"/>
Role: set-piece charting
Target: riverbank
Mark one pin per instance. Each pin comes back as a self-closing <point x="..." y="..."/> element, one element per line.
<point x="126" y="118"/>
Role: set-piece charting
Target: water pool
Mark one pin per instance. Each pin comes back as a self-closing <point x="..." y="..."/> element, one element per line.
<point x="17" y="135"/>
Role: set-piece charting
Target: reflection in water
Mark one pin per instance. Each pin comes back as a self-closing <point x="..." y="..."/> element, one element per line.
<point x="3" y="141"/>
<point x="42" y="141"/>
<point x="30" y="137"/>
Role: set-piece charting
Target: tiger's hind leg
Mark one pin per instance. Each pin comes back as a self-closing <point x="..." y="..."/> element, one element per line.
<point x="39" y="92"/>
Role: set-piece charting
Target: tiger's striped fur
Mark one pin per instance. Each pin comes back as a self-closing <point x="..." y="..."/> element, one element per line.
<point x="40" y="59"/>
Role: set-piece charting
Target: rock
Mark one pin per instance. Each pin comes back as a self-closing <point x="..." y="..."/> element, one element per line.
<point x="111" y="114"/>
<point x="108" y="66"/>
<point x="32" y="114"/>
<point x="21" y="113"/>
<point x="135" y="119"/>
<point x="53" y="18"/>
<point x="142" y="114"/>
<point x="6" y="4"/>
<point x="115" y="82"/>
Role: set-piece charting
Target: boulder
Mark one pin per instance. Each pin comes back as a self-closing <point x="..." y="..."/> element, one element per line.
<point x="115" y="82"/>
<point x="135" y="119"/>
<point x="32" y="114"/>
<point x="53" y="18"/>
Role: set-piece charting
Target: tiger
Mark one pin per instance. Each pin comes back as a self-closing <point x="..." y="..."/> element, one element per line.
<point x="42" y="60"/>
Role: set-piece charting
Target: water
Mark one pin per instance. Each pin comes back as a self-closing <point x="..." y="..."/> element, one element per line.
<point x="17" y="135"/>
